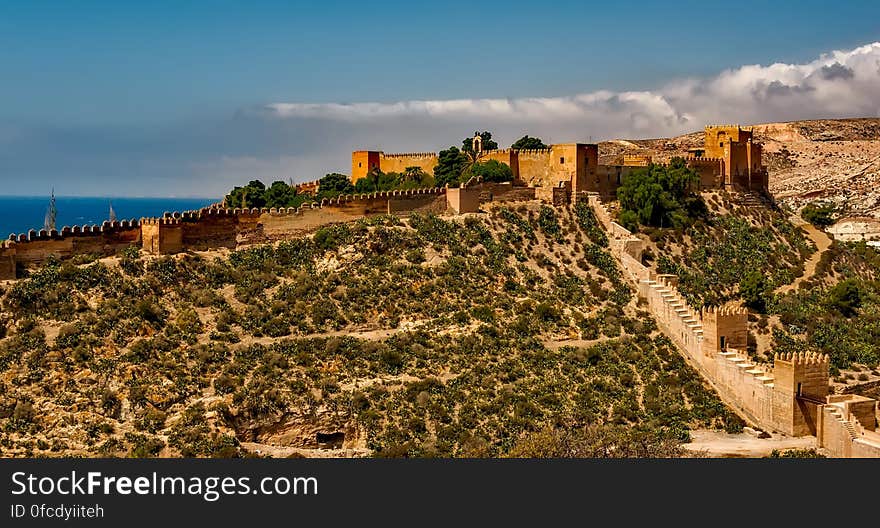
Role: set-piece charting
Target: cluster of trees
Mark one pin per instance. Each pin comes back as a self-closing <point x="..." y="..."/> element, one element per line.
<point x="819" y="214"/>
<point x="283" y="194"/>
<point x="256" y="194"/>
<point x="529" y="143"/>
<point x="661" y="196"/>
<point x="410" y="178"/>
<point x="455" y="166"/>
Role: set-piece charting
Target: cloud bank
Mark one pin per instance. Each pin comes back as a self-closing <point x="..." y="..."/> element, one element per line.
<point x="836" y="84"/>
<point x="301" y="141"/>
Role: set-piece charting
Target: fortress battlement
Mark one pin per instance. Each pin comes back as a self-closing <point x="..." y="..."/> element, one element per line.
<point x="534" y="152"/>
<point x="34" y="235"/>
<point x="723" y="310"/>
<point x="802" y="358"/>
<point x="409" y="155"/>
<point x="165" y="221"/>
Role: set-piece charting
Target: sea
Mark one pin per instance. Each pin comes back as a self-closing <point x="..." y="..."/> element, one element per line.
<point x="18" y="214"/>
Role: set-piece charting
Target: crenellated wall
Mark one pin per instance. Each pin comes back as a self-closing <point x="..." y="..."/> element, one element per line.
<point x="219" y="227"/>
<point x="791" y="396"/>
<point x="36" y="247"/>
<point x="534" y="167"/>
<point x="208" y="228"/>
<point x="509" y="157"/>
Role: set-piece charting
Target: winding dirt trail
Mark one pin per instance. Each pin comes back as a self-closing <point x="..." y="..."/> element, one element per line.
<point x="822" y="241"/>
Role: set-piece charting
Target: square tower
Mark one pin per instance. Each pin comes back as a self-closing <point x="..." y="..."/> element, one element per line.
<point x="723" y="328"/>
<point x="162" y="236"/>
<point x="800" y="387"/>
<point x="362" y="162"/>
<point x="575" y="163"/>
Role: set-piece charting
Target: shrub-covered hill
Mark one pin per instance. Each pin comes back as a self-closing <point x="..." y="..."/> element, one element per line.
<point x="732" y="251"/>
<point x="746" y="254"/>
<point x="835" y="312"/>
<point x="477" y="336"/>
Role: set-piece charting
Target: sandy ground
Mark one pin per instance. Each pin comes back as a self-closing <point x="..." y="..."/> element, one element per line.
<point x="822" y="241"/>
<point x="718" y="444"/>
<point x="286" y="452"/>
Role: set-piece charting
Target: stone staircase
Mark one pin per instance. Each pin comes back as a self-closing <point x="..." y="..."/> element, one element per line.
<point x="680" y="307"/>
<point x="837" y="413"/>
<point x="744" y="363"/>
<point x="752" y="199"/>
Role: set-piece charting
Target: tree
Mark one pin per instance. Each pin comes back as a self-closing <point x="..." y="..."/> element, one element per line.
<point x="333" y="185"/>
<point x="280" y="194"/>
<point x="417" y="175"/>
<point x="251" y="195"/>
<point x="490" y="171"/>
<point x="467" y="145"/>
<point x="662" y="195"/>
<point x="411" y="178"/>
<point x="451" y="163"/>
<point x="255" y="194"/>
<point x="755" y="291"/>
<point x="529" y="143"/>
<point x="845" y="297"/>
<point x="818" y="214"/>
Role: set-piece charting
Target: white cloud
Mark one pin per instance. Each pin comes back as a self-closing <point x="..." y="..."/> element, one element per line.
<point x="837" y="84"/>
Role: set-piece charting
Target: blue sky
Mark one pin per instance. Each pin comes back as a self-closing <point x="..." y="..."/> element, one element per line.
<point x="187" y="98"/>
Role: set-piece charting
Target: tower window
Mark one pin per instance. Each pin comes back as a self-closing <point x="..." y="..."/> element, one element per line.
<point x="562" y="159"/>
<point x="359" y="164"/>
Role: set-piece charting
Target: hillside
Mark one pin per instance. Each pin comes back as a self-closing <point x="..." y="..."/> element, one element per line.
<point x="829" y="159"/>
<point x="802" y="298"/>
<point x="510" y="333"/>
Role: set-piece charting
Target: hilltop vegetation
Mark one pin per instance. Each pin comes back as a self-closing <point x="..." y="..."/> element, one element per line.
<point x="837" y="312"/>
<point x="732" y="253"/>
<point x="505" y="334"/>
<point x="661" y="196"/>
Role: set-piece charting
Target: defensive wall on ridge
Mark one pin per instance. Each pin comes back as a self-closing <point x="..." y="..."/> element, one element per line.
<point x="791" y="396"/>
<point x="35" y="246"/>
<point x="210" y="227"/>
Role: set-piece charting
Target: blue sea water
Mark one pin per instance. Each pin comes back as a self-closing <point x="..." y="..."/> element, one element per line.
<point x="18" y="214"/>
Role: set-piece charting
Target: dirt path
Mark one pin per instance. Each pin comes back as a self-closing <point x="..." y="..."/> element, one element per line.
<point x="822" y="241"/>
<point x="718" y="444"/>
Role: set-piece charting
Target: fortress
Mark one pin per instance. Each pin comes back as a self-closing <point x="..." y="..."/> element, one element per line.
<point x="729" y="160"/>
<point x="790" y="397"/>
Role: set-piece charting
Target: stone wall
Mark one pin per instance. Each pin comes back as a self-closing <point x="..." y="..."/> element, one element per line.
<point x="785" y="397"/>
<point x="509" y="157"/>
<point x="463" y="200"/>
<point x="534" y="168"/>
<point x="36" y="247"/>
<point x="400" y="162"/>
<point x="7" y="261"/>
<point x="501" y="192"/>
<point x="162" y="236"/>
<point x="847" y="427"/>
